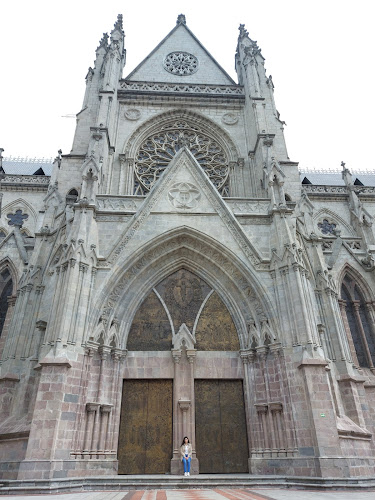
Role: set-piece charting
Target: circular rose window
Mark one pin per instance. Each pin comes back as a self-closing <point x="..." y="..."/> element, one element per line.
<point x="181" y="63"/>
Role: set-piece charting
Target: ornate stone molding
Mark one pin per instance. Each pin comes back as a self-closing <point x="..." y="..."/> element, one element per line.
<point x="186" y="244"/>
<point x="119" y="203"/>
<point x="248" y="207"/>
<point x="26" y="179"/>
<point x="182" y="88"/>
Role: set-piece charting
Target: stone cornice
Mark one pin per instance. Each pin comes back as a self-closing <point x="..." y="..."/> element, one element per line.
<point x="185" y="89"/>
<point x="25" y="182"/>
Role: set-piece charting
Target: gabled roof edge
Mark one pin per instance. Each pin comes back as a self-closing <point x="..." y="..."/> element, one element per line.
<point x="195" y="38"/>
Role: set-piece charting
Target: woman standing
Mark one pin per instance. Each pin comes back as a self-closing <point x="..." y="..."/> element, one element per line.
<point x="186" y="454"/>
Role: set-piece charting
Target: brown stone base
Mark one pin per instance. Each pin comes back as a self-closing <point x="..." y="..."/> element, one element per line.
<point x="178" y="469"/>
<point x="314" y="467"/>
<point x="56" y="469"/>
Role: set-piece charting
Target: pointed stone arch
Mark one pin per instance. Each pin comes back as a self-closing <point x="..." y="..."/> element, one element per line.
<point x="356" y="301"/>
<point x="154" y="124"/>
<point x="8" y="287"/>
<point x="7" y="263"/>
<point x="156" y="142"/>
<point x="359" y="278"/>
<point x="340" y="222"/>
<point x="21" y="204"/>
<point x="238" y="287"/>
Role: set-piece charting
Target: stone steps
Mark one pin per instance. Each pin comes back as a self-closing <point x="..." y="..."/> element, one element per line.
<point x="155" y="482"/>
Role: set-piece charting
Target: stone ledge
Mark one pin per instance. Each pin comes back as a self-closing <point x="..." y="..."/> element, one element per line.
<point x="211" y="481"/>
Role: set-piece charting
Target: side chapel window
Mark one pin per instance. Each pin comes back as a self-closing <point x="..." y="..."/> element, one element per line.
<point x="357" y="315"/>
<point x="6" y="289"/>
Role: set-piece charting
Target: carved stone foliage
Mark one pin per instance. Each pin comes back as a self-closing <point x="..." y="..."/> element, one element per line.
<point x="181" y="63"/>
<point x="156" y="152"/>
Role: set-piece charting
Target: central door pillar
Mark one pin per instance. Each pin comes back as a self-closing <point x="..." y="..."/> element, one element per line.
<point x="183" y="406"/>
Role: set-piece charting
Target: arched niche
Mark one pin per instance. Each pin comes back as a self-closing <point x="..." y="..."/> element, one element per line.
<point x="358" y="314"/>
<point x="237" y="286"/>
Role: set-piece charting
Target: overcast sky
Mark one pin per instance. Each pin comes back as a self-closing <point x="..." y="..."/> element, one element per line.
<point x="319" y="53"/>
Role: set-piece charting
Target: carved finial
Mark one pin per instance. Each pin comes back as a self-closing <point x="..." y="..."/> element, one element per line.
<point x="104" y="41"/>
<point x="343" y="165"/>
<point x="118" y="23"/>
<point x="181" y="19"/>
<point x="243" y="31"/>
<point x="1" y="157"/>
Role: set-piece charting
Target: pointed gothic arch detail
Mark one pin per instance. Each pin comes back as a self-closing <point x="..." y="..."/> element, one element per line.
<point x="154" y="144"/>
<point x="7" y="289"/>
<point x="238" y="288"/>
<point x="357" y="307"/>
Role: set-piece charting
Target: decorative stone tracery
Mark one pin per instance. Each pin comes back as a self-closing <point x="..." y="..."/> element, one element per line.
<point x="156" y="152"/>
<point x="181" y="63"/>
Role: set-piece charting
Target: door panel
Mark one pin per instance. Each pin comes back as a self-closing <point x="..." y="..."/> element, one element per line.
<point x="221" y="437"/>
<point x="145" y="440"/>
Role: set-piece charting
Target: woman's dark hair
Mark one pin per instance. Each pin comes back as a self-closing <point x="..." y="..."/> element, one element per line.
<point x="183" y="441"/>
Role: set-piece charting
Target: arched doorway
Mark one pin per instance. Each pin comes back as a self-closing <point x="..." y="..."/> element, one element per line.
<point x="184" y="329"/>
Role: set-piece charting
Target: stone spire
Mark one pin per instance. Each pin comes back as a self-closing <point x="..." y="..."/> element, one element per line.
<point x="118" y="24"/>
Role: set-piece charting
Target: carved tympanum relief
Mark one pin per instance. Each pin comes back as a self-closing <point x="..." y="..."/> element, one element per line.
<point x="182" y="298"/>
<point x="156" y="152"/>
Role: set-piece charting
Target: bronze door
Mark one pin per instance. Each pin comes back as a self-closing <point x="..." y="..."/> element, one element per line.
<point x="145" y="440"/>
<point x="220" y="423"/>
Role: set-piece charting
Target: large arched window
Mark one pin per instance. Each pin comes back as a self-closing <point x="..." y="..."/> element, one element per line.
<point x="6" y="290"/>
<point x="357" y="315"/>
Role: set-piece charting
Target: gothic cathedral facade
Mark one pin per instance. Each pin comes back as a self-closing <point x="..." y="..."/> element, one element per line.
<point x="176" y="275"/>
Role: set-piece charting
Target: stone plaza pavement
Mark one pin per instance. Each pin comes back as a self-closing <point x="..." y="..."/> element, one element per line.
<point x="206" y="494"/>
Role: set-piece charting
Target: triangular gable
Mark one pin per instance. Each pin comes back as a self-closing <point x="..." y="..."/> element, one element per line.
<point x="180" y="39"/>
<point x="185" y="188"/>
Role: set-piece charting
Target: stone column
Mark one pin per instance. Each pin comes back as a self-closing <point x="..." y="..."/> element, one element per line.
<point x="176" y="355"/>
<point x="191" y="354"/>
<point x="264" y="447"/>
<point x="91" y="411"/>
<point x="246" y="356"/>
<point x="105" y="410"/>
<point x="184" y="405"/>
